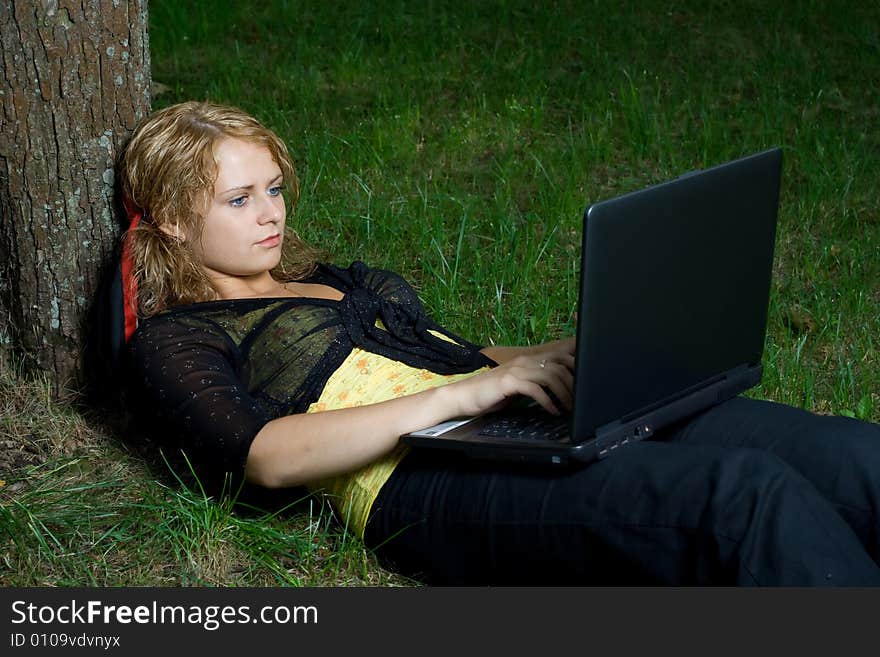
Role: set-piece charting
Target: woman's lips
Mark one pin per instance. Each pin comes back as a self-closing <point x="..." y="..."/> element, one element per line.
<point x="269" y="242"/>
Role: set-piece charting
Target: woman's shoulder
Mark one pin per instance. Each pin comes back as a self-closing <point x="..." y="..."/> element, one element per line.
<point x="356" y="273"/>
<point x="180" y="328"/>
<point x="360" y="275"/>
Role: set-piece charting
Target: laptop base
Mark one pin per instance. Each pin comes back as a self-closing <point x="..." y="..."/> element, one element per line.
<point x="465" y="437"/>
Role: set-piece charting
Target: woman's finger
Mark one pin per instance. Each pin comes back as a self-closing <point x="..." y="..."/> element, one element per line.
<point x="550" y="375"/>
<point x="536" y="392"/>
<point x="562" y="357"/>
<point x="561" y="383"/>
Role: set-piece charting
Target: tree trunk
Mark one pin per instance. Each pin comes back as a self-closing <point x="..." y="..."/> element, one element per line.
<point x="76" y="79"/>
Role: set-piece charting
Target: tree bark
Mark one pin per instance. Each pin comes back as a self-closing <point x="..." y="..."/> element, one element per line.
<point x="76" y="79"/>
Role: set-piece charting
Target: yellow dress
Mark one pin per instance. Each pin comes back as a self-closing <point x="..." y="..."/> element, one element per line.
<point x="368" y="378"/>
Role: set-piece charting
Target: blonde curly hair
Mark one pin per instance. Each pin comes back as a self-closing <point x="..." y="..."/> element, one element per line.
<point x="167" y="173"/>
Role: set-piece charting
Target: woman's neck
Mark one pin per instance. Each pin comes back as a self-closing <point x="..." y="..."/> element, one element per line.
<point x="243" y="287"/>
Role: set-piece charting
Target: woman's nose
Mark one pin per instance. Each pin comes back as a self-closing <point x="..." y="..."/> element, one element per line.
<point x="272" y="210"/>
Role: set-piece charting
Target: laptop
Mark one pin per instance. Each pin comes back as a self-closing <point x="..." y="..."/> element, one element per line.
<point x="672" y="314"/>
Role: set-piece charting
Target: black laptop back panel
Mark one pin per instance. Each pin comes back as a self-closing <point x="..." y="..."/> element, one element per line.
<point x="675" y="283"/>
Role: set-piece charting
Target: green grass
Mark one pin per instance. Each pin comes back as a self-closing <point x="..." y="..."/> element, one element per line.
<point x="459" y="143"/>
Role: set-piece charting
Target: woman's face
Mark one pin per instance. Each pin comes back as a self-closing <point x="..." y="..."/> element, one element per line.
<point x="244" y="223"/>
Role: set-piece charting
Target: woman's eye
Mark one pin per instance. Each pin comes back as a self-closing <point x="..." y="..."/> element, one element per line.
<point x="238" y="202"/>
<point x="275" y="191"/>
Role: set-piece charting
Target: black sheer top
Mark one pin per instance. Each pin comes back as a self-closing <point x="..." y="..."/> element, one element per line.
<point x="208" y="376"/>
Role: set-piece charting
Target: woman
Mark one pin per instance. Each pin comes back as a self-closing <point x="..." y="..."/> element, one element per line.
<point x="261" y="364"/>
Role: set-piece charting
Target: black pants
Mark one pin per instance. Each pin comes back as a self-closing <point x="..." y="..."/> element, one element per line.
<point x="747" y="493"/>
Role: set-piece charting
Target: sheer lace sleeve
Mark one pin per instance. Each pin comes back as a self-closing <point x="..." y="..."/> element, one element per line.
<point x="189" y="381"/>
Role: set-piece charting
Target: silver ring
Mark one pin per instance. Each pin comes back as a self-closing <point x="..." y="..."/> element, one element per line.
<point x="541" y="363"/>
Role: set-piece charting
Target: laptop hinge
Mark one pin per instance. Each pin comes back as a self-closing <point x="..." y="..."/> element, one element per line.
<point x="643" y="423"/>
<point x="702" y="385"/>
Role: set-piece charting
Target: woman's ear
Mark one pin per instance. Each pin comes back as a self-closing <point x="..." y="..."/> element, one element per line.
<point x="174" y="231"/>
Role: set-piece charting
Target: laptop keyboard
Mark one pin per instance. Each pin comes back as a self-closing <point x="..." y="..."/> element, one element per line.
<point x="529" y="427"/>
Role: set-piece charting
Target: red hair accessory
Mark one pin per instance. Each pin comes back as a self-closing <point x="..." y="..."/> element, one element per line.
<point x="129" y="282"/>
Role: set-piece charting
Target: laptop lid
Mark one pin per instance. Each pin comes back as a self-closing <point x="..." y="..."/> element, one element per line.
<point x="675" y="283"/>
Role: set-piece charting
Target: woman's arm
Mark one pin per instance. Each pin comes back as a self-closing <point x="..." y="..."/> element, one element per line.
<point x="297" y="449"/>
<point x="503" y="354"/>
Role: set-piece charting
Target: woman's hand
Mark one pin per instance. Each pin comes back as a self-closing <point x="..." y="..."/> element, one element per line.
<point x="529" y="371"/>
